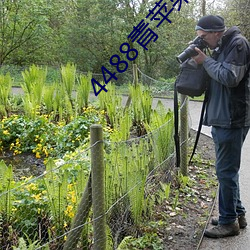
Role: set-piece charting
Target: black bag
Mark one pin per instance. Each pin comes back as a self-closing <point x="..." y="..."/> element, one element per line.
<point x="192" y="80"/>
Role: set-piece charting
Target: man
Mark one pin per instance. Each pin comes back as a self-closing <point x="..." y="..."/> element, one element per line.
<point x="228" y="112"/>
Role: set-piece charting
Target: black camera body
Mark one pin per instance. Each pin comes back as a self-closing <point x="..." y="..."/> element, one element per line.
<point x="190" y="51"/>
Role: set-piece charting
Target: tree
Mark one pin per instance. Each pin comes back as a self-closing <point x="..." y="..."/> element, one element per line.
<point x="238" y="13"/>
<point x="21" y="21"/>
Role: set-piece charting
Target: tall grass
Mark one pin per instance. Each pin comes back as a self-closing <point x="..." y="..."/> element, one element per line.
<point x="34" y="80"/>
<point x="5" y="90"/>
<point x="161" y="128"/>
<point x="68" y="74"/>
<point x="83" y="91"/>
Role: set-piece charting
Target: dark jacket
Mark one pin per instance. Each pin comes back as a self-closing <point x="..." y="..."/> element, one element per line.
<point x="229" y="90"/>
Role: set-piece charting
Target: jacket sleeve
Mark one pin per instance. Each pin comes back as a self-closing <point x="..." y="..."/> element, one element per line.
<point x="234" y="66"/>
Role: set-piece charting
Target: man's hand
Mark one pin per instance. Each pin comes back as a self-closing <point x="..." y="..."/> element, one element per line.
<point x="200" y="58"/>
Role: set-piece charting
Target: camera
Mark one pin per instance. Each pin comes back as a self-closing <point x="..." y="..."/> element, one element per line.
<point x="190" y="51"/>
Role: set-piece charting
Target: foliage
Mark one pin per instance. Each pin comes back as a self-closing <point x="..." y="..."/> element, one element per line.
<point x="46" y="205"/>
<point x="22" y="245"/>
<point x="113" y="108"/>
<point x="47" y="32"/>
<point x="163" y="123"/>
<point x="83" y="91"/>
<point x="51" y="201"/>
<point x="34" y="81"/>
<point x="147" y="241"/>
<point x="22" y="23"/>
<point x="5" y="90"/>
<point x="68" y="73"/>
<point x="30" y="204"/>
<point x="141" y="106"/>
<point x="6" y="184"/>
<point x="43" y="137"/>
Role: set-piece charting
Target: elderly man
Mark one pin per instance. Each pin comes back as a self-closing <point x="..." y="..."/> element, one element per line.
<point x="228" y="112"/>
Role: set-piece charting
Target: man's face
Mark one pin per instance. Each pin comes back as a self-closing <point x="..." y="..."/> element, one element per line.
<point x="211" y="38"/>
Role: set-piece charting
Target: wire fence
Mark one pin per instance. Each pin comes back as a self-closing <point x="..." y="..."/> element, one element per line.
<point x="42" y="209"/>
<point x="55" y="210"/>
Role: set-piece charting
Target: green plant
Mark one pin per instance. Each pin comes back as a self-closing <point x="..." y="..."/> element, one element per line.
<point x="121" y="131"/>
<point x="141" y="104"/>
<point x="161" y="126"/>
<point x="44" y="137"/>
<point x="147" y="241"/>
<point x="111" y="103"/>
<point x="30" y="207"/>
<point x="184" y="181"/>
<point x="6" y="184"/>
<point x="164" y="191"/>
<point x="83" y="91"/>
<point x="126" y="172"/>
<point x="29" y="245"/>
<point x="34" y="81"/>
<point x="5" y="90"/>
<point x="176" y="199"/>
<point x="68" y="74"/>
<point x="48" y="98"/>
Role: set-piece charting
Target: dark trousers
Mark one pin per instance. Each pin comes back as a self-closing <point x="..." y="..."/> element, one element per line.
<point x="228" y="145"/>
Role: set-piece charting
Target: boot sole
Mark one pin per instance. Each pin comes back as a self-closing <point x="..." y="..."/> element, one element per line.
<point x="207" y="234"/>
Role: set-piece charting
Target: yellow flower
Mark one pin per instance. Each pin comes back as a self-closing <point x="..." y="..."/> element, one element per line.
<point x="37" y="196"/>
<point x="6" y="132"/>
<point x="69" y="211"/>
<point x="45" y="151"/>
<point x="31" y="187"/>
<point x="14" y="209"/>
<point x="38" y="156"/>
<point x="73" y="199"/>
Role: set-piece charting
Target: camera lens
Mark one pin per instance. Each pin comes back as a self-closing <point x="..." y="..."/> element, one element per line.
<point x="187" y="53"/>
<point x="190" y="51"/>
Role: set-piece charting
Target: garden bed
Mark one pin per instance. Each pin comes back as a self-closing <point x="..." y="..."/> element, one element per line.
<point x="185" y="226"/>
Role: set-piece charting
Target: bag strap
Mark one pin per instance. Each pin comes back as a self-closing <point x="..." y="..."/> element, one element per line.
<point x="199" y="127"/>
<point x="201" y="118"/>
<point x="176" y="126"/>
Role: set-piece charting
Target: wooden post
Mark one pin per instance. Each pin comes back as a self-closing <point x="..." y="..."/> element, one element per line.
<point x="135" y="74"/>
<point x="184" y="135"/>
<point x="98" y="195"/>
<point x="135" y="82"/>
<point x="80" y="218"/>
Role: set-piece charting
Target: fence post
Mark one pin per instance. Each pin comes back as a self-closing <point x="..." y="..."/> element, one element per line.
<point x="80" y="218"/>
<point x="135" y="81"/>
<point x="184" y="135"/>
<point x="98" y="195"/>
<point x="135" y="74"/>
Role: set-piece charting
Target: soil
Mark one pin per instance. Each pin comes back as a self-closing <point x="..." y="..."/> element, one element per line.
<point x="25" y="164"/>
<point x="188" y="221"/>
